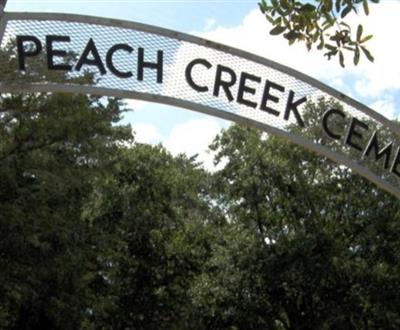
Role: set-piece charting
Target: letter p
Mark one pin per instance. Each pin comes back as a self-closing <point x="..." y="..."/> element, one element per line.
<point x="27" y="51"/>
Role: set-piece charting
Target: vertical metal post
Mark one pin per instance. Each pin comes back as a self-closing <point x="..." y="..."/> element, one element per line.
<point x="2" y="20"/>
<point x="2" y="6"/>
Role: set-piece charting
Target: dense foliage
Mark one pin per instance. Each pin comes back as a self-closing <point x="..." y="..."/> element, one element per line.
<point x="100" y="233"/>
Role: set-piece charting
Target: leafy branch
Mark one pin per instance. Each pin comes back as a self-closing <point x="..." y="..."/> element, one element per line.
<point x="321" y="23"/>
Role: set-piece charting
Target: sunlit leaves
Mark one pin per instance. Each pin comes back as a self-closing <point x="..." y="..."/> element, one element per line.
<point x="320" y="23"/>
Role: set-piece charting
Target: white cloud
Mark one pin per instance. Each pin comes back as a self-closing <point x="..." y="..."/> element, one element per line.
<point x="367" y="79"/>
<point x="191" y="138"/>
<point x="338" y="83"/>
<point x="136" y="105"/>
<point x="253" y="36"/>
<point x="146" y="133"/>
<point x="386" y="107"/>
<point x="384" y="73"/>
<point x="210" y="23"/>
<point x="194" y="137"/>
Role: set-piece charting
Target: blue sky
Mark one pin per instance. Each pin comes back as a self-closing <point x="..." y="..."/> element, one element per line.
<point x="240" y="24"/>
<point x="182" y="15"/>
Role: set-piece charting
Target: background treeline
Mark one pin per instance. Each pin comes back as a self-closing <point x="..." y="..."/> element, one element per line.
<point x="97" y="232"/>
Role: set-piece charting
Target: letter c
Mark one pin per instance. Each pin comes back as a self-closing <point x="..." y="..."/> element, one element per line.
<point x="327" y="115"/>
<point x="110" y="64"/>
<point x="188" y="74"/>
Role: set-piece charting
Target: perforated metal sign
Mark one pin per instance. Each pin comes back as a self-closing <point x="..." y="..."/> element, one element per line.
<point x="81" y="54"/>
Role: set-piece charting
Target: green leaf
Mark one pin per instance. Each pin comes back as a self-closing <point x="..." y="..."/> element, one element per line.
<point x="366" y="8"/>
<point x="262" y="8"/>
<point x="356" y="58"/>
<point x="292" y="35"/>
<point x="367" y="54"/>
<point x="338" y="5"/>
<point x="270" y="19"/>
<point x="359" y="32"/>
<point x="328" y="5"/>
<point x="321" y="43"/>
<point x="365" y="39"/>
<point x="277" y="30"/>
<point x="330" y="47"/>
<point x="308" y="7"/>
<point x="326" y="25"/>
<point x="341" y="59"/>
<point x="345" y="11"/>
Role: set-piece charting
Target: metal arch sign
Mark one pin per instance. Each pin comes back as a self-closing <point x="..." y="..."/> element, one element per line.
<point x="46" y="52"/>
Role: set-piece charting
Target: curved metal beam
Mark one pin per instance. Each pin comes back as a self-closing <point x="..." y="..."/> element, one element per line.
<point x="157" y="38"/>
<point x="73" y="18"/>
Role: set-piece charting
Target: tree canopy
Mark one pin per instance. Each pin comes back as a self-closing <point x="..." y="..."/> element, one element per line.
<point x="100" y="232"/>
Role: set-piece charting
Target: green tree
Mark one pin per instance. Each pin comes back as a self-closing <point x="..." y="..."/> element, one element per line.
<point x="308" y="243"/>
<point x="52" y="147"/>
<point x="322" y="23"/>
<point x="156" y="208"/>
<point x="95" y="232"/>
